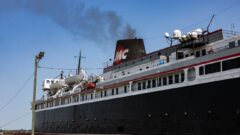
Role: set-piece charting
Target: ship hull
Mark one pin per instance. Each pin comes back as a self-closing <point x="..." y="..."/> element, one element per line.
<point x="204" y="109"/>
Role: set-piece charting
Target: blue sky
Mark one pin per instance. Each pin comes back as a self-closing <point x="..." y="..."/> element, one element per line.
<point x="25" y="31"/>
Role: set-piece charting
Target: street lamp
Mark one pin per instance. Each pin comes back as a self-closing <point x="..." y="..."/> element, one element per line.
<point x="38" y="57"/>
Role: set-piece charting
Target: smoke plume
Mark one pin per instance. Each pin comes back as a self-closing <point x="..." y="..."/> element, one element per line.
<point x="87" y="22"/>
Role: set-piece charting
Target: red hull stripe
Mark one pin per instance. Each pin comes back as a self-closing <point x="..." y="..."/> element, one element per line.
<point x="173" y="70"/>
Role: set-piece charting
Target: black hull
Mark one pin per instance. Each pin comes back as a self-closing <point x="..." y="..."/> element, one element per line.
<point x="206" y="109"/>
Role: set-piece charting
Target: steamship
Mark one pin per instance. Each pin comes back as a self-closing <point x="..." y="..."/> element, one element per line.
<point x="190" y="87"/>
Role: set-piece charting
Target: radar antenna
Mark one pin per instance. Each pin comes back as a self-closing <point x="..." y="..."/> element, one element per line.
<point x="207" y="31"/>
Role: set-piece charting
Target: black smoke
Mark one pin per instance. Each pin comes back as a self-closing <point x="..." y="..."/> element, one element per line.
<point x="87" y="22"/>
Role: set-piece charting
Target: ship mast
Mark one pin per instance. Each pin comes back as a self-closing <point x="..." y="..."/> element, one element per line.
<point x="79" y="62"/>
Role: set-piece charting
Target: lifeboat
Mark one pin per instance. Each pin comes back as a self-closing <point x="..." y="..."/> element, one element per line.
<point x="72" y="80"/>
<point x="57" y="85"/>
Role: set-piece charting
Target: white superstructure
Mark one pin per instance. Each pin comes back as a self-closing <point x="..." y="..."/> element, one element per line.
<point x="183" y="67"/>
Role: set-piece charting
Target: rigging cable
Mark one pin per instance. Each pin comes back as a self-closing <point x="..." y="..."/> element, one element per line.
<point x="227" y="8"/>
<point x="201" y="21"/>
<point x="216" y="14"/>
<point x="16" y="94"/>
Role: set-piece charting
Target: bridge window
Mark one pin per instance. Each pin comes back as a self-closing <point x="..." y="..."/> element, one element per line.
<point x="213" y="68"/>
<point x="182" y="77"/>
<point x="238" y="42"/>
<point x="42" y="106"/>
<point x="143" y="85"/>
<point x="139" y="86"/>
<point x="63" y="101"/>
<point x="198" y="54"/>
<point x="75" y="98"/>
<point x="112" y="91"/>
<point x="170" y="79"/>
<point x="116" y="91"/>
<point x="180" y="55"/>
<point x="159" y="81"/>
<point x="125" y="89"/>
<point x="56" y="102"/>
<point x="154" y="83"/>
<point x="177" y="78"/>
<point x="231" y="64"/>
<point x="232" y="44"/>
<point x="203" y="52"/>
<point x="164" y="81"/>
<point x="149" y="84"/>
<point x="105" y="93"/>
<point x="201" y="70"/>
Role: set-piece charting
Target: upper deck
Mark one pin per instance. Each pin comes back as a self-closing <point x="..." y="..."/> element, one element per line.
<point x="209" y="38"/>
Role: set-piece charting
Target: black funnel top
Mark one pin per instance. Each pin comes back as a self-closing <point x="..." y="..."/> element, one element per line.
<point x="128" y="49"/>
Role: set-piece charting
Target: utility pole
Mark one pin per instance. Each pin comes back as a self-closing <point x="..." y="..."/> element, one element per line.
<point x="38" y="57"/>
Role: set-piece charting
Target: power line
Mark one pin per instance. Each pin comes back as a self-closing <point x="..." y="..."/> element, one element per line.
<point x="56" y="68"/>
<point x="18" y="118"/>
<point x="88" y="68"/>
<point x="69" y="69"/>
<point x="16" y="94"/>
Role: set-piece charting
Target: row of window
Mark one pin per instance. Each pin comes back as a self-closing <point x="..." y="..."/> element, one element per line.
<point x="113" y="92"/>
<point x="216" y="67"/>
<point x="78" y="98"/>
<point x="201" y="53"/>
<point x="58" y="102"/>
<point x="161" y="81"/>
<point x="140" y="69"/>
<point x="233" y="44"/>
